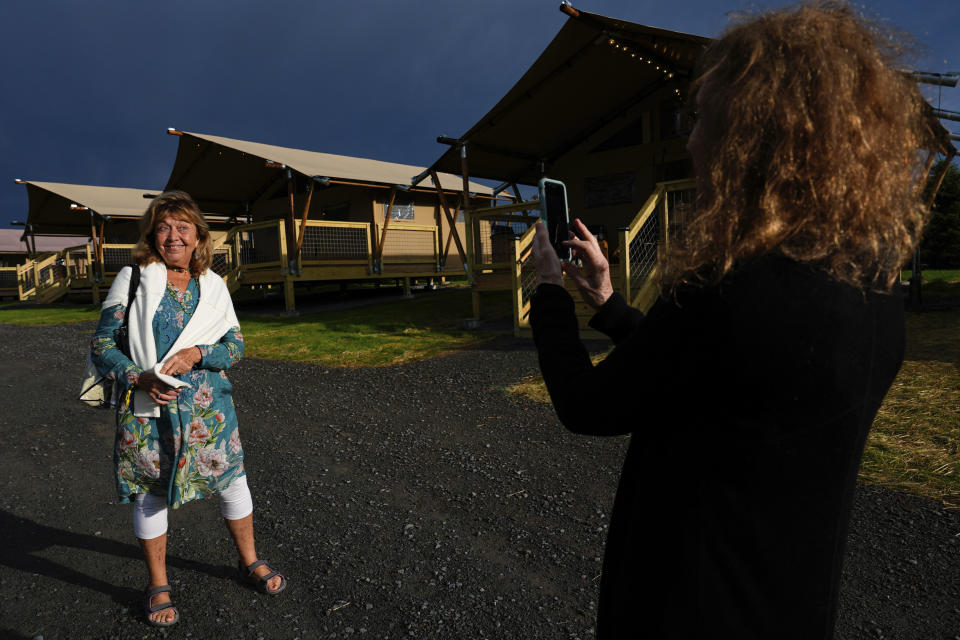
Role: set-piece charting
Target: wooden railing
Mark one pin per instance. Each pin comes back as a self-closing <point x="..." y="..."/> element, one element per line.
<point x="490" y="232"/>
<point x="642" y="246"/>
<point x="338" y="247"/>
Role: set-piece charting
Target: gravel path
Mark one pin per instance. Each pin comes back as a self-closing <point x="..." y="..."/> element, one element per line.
<point x="416" y="501"/>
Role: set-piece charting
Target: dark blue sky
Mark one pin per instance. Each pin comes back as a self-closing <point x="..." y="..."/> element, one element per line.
<point x="88" y="89"/>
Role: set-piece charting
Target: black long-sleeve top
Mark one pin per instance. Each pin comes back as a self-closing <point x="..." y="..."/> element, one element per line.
<point x="748" y="405"/>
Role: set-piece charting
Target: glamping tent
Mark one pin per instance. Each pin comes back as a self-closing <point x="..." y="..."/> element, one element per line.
<point x="597" y="110"/>
<point x="314" y="216"/>
<point x="102" y="223"/>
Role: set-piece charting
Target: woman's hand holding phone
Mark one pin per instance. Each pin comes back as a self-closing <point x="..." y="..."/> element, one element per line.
<point x="545" y="258"/>
<point x="593" y="277"/>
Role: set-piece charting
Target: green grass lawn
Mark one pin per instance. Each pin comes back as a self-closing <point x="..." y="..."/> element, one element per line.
<point x="44" y="314"/>
<point x="374" y="335"/>
<point x="937" y="282"/>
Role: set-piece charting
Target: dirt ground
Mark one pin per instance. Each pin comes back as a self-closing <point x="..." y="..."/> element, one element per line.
<point x="417" y="501"/>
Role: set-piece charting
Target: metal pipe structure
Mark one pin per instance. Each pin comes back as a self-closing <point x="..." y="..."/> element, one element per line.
<point x="944" y="114"/>
<point x="939" y="79"/>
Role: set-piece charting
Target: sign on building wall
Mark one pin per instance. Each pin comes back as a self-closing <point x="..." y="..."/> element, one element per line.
<point x="616" y="188"/>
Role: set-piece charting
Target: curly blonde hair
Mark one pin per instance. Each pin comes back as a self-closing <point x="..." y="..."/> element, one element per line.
<point x="180" y="206"/>
<point x="811" y="142"/>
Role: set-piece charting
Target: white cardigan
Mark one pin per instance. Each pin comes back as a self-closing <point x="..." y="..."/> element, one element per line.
<point x="212" y="319"/>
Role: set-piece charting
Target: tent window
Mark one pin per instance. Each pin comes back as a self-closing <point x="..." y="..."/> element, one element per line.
<point x="401" y="210"/>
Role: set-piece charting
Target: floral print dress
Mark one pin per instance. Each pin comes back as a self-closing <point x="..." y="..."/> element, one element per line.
<point x="193" y="449"/>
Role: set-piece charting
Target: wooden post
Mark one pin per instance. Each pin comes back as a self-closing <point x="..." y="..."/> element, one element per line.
<point x="625" y="263"/>
<point x="103" y="238"/>
<point x="377" y="260"/>
<point x="451" y="220"/>
<point x="467" y="219"/>
<point x="291" y="238"/>
<point x="289" y="299"/>
<point x="664" y="227"/>
<point x="406" y="288"/>
<point x="516" y="297"/>
<point x="235" y="250"/>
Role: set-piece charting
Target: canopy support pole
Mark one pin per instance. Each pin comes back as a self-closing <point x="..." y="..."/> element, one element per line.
<point x="303" y="219"/>
<point x="377" y="264"/>
<point x="290" y="228"/>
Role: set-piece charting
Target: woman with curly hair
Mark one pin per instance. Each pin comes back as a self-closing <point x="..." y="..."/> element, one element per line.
<point x="177" y="437"/>
<point x="750" y="386"/>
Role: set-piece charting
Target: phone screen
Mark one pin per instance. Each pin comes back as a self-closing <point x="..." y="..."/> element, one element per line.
<point x="556" y="206"/>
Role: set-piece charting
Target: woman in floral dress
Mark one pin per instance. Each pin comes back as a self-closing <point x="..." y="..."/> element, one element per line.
<point x="177" y="437"/>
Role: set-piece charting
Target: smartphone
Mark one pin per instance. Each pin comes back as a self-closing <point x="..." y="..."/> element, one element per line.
<point x="553" y="210"/>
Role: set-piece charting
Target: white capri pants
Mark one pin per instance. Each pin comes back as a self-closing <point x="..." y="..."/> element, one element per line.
<point x="150" y="511"/>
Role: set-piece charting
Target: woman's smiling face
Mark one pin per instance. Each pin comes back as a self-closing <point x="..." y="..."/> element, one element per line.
<point x="176" y="239"/>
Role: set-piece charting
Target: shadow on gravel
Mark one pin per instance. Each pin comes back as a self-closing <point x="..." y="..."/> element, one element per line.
<point x="23" y="538"/>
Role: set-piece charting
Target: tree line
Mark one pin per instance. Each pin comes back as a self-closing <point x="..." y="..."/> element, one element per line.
<point x="940" y="248"/>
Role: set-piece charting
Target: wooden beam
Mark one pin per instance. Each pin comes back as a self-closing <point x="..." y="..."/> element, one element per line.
<point x="452" y="221"/>
<point x="303" y="219"/>
<point x="446" y="248"/>
<point x="386" y="223"/>
<point x="943" y="174"/>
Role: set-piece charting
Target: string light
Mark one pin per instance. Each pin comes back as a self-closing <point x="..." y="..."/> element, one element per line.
<point x="667" y="72"/>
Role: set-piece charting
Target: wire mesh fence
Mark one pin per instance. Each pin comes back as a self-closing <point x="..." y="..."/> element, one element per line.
<point x="222" y="261"/>
<point x="260" y="246"/>
<point x="116" y="258"/>
<point x="493" y="240"/>
<point x="680" y="205"/>
<point x="410" y="245"/>
<point x="27" y="281"/>
<point x="643" y="250"/>
<point x="336" y="243"/>
<point x="8" y="278"/>
<point x="528" y="278"/>
<point x="79" y="266"/>
<point x="47" y="274"/>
